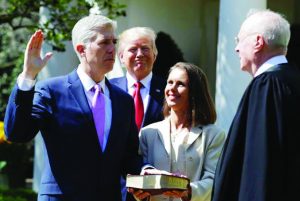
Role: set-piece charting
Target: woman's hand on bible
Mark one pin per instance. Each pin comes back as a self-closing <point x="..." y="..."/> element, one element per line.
<point x="138" y="194"/>
<point x="155" y="171"/>
<point x="184" y="195"/>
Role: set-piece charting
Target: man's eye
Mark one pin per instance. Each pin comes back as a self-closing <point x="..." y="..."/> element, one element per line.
<point x="145" y="49"/>
<point x="104" y="42"/>
<point x="107" y="42"/>
<point x="132" y="50"/>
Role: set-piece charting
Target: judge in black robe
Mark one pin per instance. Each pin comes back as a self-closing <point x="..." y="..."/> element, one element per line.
<point x="261" y="157"/>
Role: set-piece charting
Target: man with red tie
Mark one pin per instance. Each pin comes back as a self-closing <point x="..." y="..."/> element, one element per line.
<point x="87" y="124"/>
<point x="137" y="52"/>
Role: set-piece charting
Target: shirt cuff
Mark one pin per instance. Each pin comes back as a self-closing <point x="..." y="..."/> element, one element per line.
<point x="25" y="84"/>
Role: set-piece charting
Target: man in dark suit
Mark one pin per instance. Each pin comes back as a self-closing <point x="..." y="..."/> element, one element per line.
<point x="137" y="52"/>
<point x="260" y="159"/>
<point x="86" y="156"/>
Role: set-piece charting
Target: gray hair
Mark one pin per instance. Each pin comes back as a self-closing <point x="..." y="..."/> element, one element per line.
<point x="273" y="26"/>
<point x="87" y="28"/>
<point x="140" y="32"/>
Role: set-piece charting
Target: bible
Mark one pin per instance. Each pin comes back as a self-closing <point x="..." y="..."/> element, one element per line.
<point x="157" y="183"/>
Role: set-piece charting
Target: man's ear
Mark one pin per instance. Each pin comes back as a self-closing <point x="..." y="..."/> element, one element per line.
<point x="260" y="42"/>
<point x="80" y="48"/>
<point x="155" y="56"/>
<point x="121" y="57"/>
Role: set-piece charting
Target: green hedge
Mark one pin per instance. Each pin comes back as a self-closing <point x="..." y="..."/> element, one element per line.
<point x="17" y="195"/>
<point x="19" y="163"/>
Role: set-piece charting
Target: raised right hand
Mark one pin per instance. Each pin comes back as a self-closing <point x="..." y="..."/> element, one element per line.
<point x="33" y="63"/>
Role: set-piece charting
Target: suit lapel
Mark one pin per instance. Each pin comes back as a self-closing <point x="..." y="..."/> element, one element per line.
<point x="194" y="133"/>
<point x="164" y="134"/>
<point x="155" y="96"/>
<point x="115" y="118"/>
<point x="122" y="83"/>
<point x="151" y="110"/>
<point x="156" y="90"/>
<point x="78" y="93"/>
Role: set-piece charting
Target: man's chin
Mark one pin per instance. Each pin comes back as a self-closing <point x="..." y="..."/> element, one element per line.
<point x="244" y="68"/>
<point x="110" y="61"/>
<point x="108" y="67"/>
<point x="247" y="70"/>
<point x="139" y="66"/>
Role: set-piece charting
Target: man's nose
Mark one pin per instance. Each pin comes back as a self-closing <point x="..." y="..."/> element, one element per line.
<point x="139" y="52"/>
<point x="112" y="48"/>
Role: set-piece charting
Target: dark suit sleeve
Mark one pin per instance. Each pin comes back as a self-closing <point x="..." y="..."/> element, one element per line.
<point x="24" y="113"/>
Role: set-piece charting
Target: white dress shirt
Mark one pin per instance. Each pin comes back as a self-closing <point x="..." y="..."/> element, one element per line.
<point x="145" y="90"/>
<point x="281" y="59"/>
<point x="88" y="84"/>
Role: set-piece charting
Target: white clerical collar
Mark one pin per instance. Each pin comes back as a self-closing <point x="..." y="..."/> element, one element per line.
<point x="88" y="82"/>
<point x="269" y="63"/>
<point x="146" y="81"/>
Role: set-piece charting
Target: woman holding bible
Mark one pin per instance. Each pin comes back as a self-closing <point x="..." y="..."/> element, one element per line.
<point x="186" y="142"/>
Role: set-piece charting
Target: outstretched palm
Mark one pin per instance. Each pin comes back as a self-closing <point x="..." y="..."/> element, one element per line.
<point x="33" y="63"/>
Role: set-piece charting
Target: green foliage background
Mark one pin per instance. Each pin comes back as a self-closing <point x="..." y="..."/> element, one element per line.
<point x="20" y="18"/>
<point x="17" y="195"/>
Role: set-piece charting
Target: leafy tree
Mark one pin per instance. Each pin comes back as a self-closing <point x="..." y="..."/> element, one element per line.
<point x="20" y="18"/>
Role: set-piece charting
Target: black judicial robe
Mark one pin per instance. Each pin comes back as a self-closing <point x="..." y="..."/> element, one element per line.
<point x="261" y="157"/>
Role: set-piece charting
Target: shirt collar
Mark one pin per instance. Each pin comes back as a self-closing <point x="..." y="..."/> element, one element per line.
<point x="146" y="81"/>
<point x="88" y="82"/>
<point x="269" y="63"/>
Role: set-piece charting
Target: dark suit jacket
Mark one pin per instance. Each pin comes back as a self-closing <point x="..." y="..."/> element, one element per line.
<point x="59" y="109"/>
<point x="156" y="98"/>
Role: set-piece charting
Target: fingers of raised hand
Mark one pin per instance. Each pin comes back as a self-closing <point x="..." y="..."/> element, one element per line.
<point x="36" y="40"/>
<point x="47" y="58"/>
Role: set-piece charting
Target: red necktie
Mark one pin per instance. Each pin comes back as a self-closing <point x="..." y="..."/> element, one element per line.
<point x="138" y="103"/>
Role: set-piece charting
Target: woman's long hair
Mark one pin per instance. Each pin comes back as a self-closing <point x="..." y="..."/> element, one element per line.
<point x="201" y="106"/>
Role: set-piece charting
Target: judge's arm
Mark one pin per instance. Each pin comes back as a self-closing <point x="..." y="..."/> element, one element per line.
<point x="201" y="189"/>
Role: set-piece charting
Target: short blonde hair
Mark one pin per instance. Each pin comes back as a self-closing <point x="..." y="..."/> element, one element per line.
<point x="139" y="32"/>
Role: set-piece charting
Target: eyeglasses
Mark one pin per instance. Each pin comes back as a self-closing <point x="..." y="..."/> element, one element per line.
<point x="238" y="40"/>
